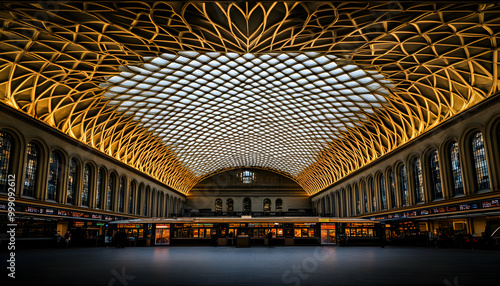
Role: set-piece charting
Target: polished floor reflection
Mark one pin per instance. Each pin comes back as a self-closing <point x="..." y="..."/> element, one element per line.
<point x="257" y="266"/>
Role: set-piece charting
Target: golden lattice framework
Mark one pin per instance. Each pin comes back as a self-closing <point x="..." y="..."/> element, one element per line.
<point x="183" y="90"/>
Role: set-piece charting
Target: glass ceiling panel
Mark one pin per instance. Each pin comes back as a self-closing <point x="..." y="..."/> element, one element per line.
<point x="297" y="82"/>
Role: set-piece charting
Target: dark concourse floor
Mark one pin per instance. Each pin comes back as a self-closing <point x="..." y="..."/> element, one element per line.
<point x="255" y="266"/>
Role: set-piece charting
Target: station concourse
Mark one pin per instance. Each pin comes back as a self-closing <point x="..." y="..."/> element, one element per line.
<point x="360" y="139"/>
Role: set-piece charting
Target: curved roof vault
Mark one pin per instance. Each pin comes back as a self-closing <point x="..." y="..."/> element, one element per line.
<point x="183" y="90"/>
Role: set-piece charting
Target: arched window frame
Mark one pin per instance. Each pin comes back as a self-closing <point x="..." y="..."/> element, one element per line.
<point x="392" y="187"/>
<point x="7" y="159"/>
<point x="266" y="205"/>
<point x="218" y="205"/>
<point x="55" y="175"/>
<point x="72" y="187"/>
<point x="87" y="184"/>
<point x="230" y="205"/>
<point x="364" y="191"/>
<point x="147" y="194"/>
<point x="403" y="186"/>
<point x="110" y="191"/>
<point x="480" y="164"/>
<point x="435" y="175"/>
<point x="101" y="188"/>
<point x="418" y="180"/>
<point x="279" y="205"/>
<point x="34" y="158"/>
<point x="247" y="205"/>
<point x="357" y="200"/>
<point x="373" y="194"/>
<point x="383" y="196"/>
<point x="457" y="184"/>
<point x="121" y="194"/>
<point x="140" y="199"/>
<point x="132" y="196"/>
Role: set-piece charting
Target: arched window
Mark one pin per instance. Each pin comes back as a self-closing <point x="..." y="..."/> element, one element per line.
<point x="72" y="177"/>
<point x="146" y="202"/>
<point x="418" y="180"/>
<point x="334" y="206"/>
<point x="393" y="188"/>
<point x="437" y="191"/>
<point x="100" y="189"/>
<point x="218" y="205"/>
<point x="32" y="161"/>
<point x="109" y="192"/>
<point x="480" y="165"/>
<point x="267" y="205"/>
<point x="458" y="186"/>
<point x="322" y="206"/>
<point x="403" y="182"/>
<point x="6" y="147"/>
<point x="498" y="137"/>
<point x="373" y="196"/>
<point x="230" y="205"/>
<point x="328" y="205"/>
<point x="121" y="195"/>
<point x="131" y="197"/>
<point x="365" y="196"/>
<point x="139" y="200"/>
<point x="350" y="202"/>
<point x="381" y="184"/>
<point x="344" y="203"/>
<point x="247" y="205"/>
<point x="247" y="177"/>
<point x="358" y="199"/>
<point x="279" y="205"/>
<point x="87" y="179"/>
<point x="55" y="172"/>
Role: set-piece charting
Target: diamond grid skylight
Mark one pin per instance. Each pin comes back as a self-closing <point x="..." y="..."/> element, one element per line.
<point x="56" y="62"/>
<point x="221" y="110"/>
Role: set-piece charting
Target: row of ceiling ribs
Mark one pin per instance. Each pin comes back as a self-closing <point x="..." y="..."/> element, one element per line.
<point x="429" y="61"/>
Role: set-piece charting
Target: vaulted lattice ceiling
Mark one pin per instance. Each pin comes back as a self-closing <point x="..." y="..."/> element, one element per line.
<point x="182" y="90"/>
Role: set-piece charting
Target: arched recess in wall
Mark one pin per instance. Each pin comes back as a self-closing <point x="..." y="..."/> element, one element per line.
<point x="147" y="201"/>
<point x="492" y="138"/>
<point x="152" y="208"/>
<point x="416" y="179"/>
<point x="230" y="205"/>
<point x="477" y="161"/>
<point x="432" y="167"/>
<point x="380" y="190"/>
<point x="56" y="173"/>
<point x="73" y="181"/>
<point x="391" y="188"/>
<point x="111" y="190"/>
<point x="121" y="193"/>
<point x="34" y="178"/>
<point x="452" y="165"/>
<point x="402" y="191"/>
<point x="140" y="199"/>
<point x="11" y="144"/>
<point x="102" y="178"/>
<point x="279" y="205"/>
<point x="218" y="205"/>
<point x="266" y="205"/>
<point x="328" y="205"/>
<point x="88" y="183"/>
<point x="132" y="196"/>
<point x="343" y="202"/>
<point x="247" y="205"/>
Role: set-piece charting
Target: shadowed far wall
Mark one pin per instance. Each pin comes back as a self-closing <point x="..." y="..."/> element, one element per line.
<point x="255" y="184"/>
